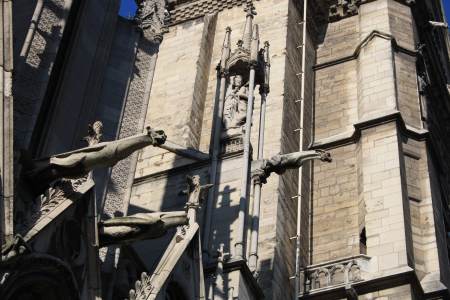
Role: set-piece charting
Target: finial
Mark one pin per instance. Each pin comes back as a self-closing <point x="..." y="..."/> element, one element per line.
<point x="248" y="28"/>
<point x="254" y="48"/>
<point x="266" y="53"/>
<point x="265" y="88"/>
<point x="226" y="50"/>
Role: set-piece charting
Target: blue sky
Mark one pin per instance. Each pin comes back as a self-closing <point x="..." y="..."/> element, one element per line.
<point x="447" y="8"/>
<point x="128" y="8"/>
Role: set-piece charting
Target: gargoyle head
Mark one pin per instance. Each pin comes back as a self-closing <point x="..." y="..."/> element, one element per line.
<point x="324" y="156"/>
<point x="158" y="136"/>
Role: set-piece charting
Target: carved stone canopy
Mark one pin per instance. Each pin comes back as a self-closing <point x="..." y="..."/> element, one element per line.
<point x="247" y="52"/>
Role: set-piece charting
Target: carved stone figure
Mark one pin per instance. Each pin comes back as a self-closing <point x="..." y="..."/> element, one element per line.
<point x="196" y="192"/>
<point x="138" y="227"/>
<point x="422" y="83"/>
<point x="235" y="105"/>
<point x="80" y="162"/>
<point x="95" y="133"/>
<point x="150" y="15"/>
<point x="280" y="163"/>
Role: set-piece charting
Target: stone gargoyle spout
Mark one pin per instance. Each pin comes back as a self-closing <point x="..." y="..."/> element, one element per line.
<point x="280" y="163"/>
<point x="138" y="227"/>
<point x="78" y="163"/>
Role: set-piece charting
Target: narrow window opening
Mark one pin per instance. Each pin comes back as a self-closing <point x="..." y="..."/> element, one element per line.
<point x="363" y="241"/>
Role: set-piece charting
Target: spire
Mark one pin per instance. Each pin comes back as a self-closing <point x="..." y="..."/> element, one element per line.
<point x="226" y="48"/>
<point x="247" y="36"/>
<point x="254" y="47"/>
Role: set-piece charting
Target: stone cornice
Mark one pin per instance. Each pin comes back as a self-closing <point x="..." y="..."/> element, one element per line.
<point x="352" y="137"/>
<point x="371" y="36"/>
<point x="402" y="276"/>
<point x="182" y="11"/>
<point x="342" y="9"/>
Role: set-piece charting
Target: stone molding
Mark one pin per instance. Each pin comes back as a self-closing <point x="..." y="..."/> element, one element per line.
<point x="347" y="8"/>
<point x="55" y="201"/>
<point x="371" y="36"/>
<point x="352" y="137"/>
<point x="335" y="273"/>
<point x="196" y="9"/>
<point x="399" y="277"/>
<point x="186" y="11"/>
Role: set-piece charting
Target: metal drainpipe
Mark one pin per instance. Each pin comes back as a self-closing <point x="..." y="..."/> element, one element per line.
<point x="299" y="196"/>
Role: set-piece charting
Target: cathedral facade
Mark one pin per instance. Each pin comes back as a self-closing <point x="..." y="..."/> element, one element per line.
<point x="225" y="149"/>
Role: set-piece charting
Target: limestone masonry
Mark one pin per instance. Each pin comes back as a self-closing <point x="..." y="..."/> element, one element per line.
<point x="237" y="149"/>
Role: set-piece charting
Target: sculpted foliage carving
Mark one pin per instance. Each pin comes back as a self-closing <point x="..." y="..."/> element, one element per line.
<point x="142" y="289"/>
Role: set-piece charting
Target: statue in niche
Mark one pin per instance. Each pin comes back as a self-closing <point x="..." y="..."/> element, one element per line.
<point x="235" y="106"/>
<point x="138" y="227"/>
<point x="78" y="163"/>
<point x="151" y="15"/>
<point x="280" y="163"/>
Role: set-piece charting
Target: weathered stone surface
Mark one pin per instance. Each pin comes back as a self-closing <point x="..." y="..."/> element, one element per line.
<point x="379" y="209"/>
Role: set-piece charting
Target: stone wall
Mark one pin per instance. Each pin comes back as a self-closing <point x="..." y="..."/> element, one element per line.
<point x="34" y="67"/>
<point x="175" y="96"/>
<point x="79" y="86"/>
<point x="378" y="181"/>
<point x="335" y="212"/>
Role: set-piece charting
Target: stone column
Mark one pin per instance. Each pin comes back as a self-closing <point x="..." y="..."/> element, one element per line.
<point x="6" y="111"/>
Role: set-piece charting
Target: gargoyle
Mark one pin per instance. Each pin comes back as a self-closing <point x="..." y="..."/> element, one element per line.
<point x="80" y="162"/>
<point x="138" y="227"/>
<point x="282" y="162"/>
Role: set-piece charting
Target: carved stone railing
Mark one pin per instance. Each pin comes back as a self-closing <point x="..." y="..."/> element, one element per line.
<point x="334" y="274"/>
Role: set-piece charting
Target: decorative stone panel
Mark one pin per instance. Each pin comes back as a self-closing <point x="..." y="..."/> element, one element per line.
<point x="334" y="274"/>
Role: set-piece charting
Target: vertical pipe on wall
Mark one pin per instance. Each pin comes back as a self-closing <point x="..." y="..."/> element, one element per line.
<point x="300" y="170"/>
